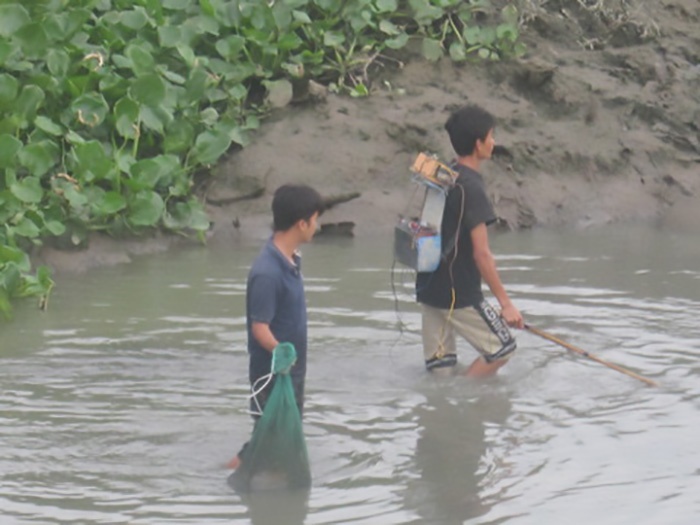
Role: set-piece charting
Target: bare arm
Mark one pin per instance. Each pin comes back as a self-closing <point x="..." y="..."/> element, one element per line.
<point x="263" y="335"/>
<point x="487" y="267"/>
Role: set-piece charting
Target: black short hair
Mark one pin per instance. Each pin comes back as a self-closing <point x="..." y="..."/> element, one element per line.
<point x="467" y="125"/>
<point x="293" y="203"/>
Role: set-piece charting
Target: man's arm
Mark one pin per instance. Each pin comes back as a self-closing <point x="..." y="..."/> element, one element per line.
<point x="264" y="336"/>
<point x="487" y="267"/>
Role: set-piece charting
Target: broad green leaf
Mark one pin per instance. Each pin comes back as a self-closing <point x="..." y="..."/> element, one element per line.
<point x="457" y="51"/>
<point x="33" y="40"/>
<point x="6" y="50"/>
<point x="177" y="4"/>
<point x="74" y="138"/>
<point x="155" y="118"/>
<point x="12" y="17"/>
<point x="385" y="26"/>
<point x="294" y="4"/>
<point x="398" y="42"/>
<point x="387" y="6"/>
<point x="208" y="8"/>
<point x="8" y="89"/>
<point x="126" y="113"/>
<point x="58" y="62"/>
<point x="472" y="34"/>
<point x="360" y="90"/>
<point x="91" y="160"/>
<point x="145" y="209"/>
<point x="186" y="215"/>
<point x="169" y="36"/>
<point x="5" y="306"/>
<point x="330" y="6"/>
<point x="26" y="228"/>
<point x="289" y="41"/>
<point x="174" y="77"/>
<point x="55" y="227"/>
<point x="301" y="17"/>
<point x="29" y="101"/>
<point x="113" y="86"/>
<point x="141" y="59"/>
<point x="135" y="19"/>
<point x="149" y="172"/>
<point x="179" y="136"/>
<point x="39" y="157"/>
<point x="148" y="90"/>
<point x="424" y="12"/>
<point x="9" y="148"/>
<point x="10" y="254"/>
<point x="209" y="146"/>
<point x="75" y="198"/>
<point x="10" y="276"/>
<point x="72" y="21"/>
<point x="282" y="15"/>
<point x="234" y="131"/>
<point x="507" y="32"/>
<point x="279" y="92"/>
<point x="432" y="49"/>
<point x="202" y="25"/>
<point x="187" y="54"/>
<point x="196" y="85"/>
<point x="333" y="39"/>
<point x="110" y="203"/>
<point x="124" y="160"/>
<point x="484" y="53"/>
<point x="47" y="125"/>
<point x="231" y="46"/>
<point x="487" y="36"/>
<point x="209" y="116"/>
<point x="90" y="109"/>
<point x="28" y="190"/>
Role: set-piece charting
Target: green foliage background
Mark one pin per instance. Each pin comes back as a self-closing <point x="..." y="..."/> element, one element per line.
<point x="109" y="108"/>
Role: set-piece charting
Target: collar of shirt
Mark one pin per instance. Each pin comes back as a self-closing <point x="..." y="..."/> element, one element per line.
<point x="293" y="267"/>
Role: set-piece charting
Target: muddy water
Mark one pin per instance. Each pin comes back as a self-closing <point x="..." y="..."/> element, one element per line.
<point x="122" y="402"/>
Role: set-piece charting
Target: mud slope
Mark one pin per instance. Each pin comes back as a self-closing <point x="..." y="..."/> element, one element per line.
<point x="599" y="123"/>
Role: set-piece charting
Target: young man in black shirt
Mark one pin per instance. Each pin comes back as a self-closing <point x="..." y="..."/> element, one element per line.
<point x="451" y="297"/>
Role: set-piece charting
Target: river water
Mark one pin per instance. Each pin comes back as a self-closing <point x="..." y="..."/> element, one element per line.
<point x="122" y="402"/>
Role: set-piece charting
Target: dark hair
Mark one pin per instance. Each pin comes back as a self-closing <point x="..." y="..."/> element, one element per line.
<point x="293" y="203"/>
<point x="467" y="125"/>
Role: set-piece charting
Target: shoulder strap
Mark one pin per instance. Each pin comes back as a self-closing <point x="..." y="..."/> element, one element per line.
<point x="450" y="246"/>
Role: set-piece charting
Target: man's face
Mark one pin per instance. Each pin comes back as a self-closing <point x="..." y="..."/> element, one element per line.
<point x="484" y="148"/>
<point x="308" y="228"/>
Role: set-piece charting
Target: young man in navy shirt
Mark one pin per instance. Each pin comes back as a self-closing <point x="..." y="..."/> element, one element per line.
<point x="275" y="302"/>
<point x="451" y="297"/>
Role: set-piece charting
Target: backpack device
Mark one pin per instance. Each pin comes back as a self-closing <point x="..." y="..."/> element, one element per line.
<point x="418" y="240"/>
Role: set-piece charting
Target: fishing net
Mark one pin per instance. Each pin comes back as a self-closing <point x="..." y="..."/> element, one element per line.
<point x="276" y="455"/>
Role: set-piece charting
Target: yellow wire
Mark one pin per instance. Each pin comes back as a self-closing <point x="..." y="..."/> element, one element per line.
<point x="441" y="346"/>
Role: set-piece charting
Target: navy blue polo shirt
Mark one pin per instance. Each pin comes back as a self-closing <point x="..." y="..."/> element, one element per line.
<point x="275" y="296"/>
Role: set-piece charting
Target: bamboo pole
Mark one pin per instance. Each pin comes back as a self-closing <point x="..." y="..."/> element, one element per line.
<point x="593" y="357"/>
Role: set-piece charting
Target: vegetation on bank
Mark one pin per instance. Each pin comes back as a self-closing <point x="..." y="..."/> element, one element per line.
<point x="110" y="110"/>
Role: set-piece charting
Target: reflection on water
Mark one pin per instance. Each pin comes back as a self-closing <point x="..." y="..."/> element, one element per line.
<point x="121" y="403"/>
<point x="451" y="457"/>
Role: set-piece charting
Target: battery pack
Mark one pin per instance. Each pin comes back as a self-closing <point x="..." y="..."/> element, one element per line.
<point x="417" y="247"/>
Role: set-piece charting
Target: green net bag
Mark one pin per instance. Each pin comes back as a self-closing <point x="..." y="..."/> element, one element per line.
<point x="276" y="455"/>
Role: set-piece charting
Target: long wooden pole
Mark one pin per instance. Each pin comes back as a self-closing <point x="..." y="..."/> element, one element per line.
<point x="595" y="358"/>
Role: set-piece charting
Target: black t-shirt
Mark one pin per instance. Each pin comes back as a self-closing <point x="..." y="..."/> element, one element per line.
<point x="469" y="201"/>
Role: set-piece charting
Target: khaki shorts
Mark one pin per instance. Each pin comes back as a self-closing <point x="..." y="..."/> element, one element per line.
<point x="481" y="326"/>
